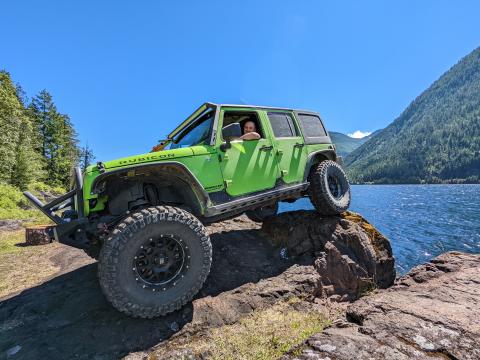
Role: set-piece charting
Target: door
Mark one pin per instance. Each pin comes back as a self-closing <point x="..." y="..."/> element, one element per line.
<point x="249" y="165"/>
<point x="289" y="146"/>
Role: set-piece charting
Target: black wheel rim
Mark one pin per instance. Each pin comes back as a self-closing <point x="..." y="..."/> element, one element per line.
<point x="335" y="186"/>
<point x="160" y="262"/>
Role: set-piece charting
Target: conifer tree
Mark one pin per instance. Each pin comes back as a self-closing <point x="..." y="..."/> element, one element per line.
<point x="10" y="119"/>
<point x="18" y="162"/>
<point x="56" y="139"/>
<point x="27" y="167"/>
<point x="86" y="157"/>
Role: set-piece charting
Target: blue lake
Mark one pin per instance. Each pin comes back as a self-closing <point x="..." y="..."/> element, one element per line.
<point x="421" y="221"/>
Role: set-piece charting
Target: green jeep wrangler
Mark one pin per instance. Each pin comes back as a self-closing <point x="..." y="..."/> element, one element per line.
<point x="143" y="216"/>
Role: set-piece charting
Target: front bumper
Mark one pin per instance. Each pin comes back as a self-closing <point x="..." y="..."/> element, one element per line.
<point x="73" y="201"/>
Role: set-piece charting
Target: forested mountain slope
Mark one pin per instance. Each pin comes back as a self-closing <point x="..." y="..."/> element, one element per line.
<point x="344" y="143"/>
<point x="436" y="139"/>
<point x="37" y="142"/>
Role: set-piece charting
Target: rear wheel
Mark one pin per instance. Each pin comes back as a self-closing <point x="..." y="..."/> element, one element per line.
<point x="261" y="213"/>
<point x="155" y="261"/>
<point x="329" y="188"/>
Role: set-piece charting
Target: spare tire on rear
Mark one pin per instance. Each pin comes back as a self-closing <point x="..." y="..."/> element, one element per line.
<point x="329" y="189"/>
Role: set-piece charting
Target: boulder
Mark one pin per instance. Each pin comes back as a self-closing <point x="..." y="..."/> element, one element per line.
<point x="248" y="275"/>
<point x="430" y="313"/>
<point x="10" y="225"/>
<point x="336" y="257"/>
<point x="350" y="255"/>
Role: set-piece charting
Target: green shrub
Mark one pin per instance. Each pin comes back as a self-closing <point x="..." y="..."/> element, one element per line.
<point x="13" y="205"/>
<point x="38" y="187"/>
<point x="10" y="197"/>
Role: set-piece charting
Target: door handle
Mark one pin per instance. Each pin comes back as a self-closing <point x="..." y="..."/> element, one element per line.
<point x="298" y="145"/>
<point x="266" y="148"/>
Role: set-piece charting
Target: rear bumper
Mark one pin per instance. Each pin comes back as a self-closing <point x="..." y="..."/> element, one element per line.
<point x="72" y="200"/>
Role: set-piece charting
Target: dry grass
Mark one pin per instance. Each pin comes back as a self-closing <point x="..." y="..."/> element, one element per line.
<point x="22" y="267"/>
<point x="263" y="335"/>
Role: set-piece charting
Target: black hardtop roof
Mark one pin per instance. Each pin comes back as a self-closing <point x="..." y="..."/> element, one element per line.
<point x="207" y="105"/>
<point x="260" y="107"/>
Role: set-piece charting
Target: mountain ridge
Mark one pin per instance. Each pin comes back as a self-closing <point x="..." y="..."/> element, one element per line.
<point x="346" y="144"/>
<point x="436" y="139"/>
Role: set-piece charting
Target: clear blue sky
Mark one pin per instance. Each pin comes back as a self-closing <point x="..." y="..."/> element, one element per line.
<point x="128" y="71"/>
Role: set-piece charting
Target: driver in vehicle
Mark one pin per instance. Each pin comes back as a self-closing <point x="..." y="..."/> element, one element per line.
<point x="250" y="131"/>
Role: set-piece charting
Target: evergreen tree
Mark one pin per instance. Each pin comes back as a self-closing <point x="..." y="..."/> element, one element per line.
<point x="21" y="95"/>
<point x="18" y="162"/>
<point x="86" y="157"/>
<point x="63" y="149"/>
<point x="10" y="119"/>
<point x="56" y="139"/>
<point x="42" y="111"/>
<point x="37" y="143"/>
<point x="27" y="161"/>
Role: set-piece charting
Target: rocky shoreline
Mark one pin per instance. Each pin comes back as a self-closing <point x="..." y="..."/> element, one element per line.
<point x="296" y="267"/>
<point x="430" y="313"/>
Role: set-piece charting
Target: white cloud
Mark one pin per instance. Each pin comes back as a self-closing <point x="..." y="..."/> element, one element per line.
<point x="359" y="134"/>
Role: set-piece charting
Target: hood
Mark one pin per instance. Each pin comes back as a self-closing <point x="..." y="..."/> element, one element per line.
<point x="163" y="155"/>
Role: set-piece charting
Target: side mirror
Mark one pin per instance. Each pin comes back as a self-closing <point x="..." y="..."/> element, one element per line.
<point x="228" y="132"/>
<point x="232" y="130"/>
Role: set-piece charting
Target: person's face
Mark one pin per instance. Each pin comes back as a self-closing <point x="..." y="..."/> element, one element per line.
<point x="249" y="127"/>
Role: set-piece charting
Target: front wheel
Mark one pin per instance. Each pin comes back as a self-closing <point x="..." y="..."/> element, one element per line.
<point x="329" y="189"/>
<point x="155" y="261"/>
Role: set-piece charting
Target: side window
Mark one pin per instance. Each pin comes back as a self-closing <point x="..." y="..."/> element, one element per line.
<point x="312" y="125"/>
<point x="282" y="124"/>
<point x="243" y="118"/>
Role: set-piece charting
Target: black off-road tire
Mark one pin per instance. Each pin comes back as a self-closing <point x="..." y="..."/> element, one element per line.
<point x="93" y="251"/>
<point x="329" y="189"/>
<point x="123" y="283"/>
<point x="262" y="213"/>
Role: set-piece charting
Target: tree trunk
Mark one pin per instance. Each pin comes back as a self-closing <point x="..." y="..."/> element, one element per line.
<point x="39" y="235"/>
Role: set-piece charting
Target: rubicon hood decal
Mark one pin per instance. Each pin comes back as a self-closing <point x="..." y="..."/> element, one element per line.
<point x="149" y="157"/>
<point x="140" y="159"/>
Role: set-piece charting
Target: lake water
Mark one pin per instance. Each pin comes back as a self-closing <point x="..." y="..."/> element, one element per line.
<point x="421" y="221"/>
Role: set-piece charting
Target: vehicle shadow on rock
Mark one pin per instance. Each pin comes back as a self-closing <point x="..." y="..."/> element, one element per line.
<point x="68" y="316"/>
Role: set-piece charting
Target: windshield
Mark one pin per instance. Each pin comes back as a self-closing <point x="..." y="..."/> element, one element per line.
<point x="197" y="134"/>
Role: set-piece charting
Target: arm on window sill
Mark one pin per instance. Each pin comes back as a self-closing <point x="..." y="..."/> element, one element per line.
<point x="250" y="136"/>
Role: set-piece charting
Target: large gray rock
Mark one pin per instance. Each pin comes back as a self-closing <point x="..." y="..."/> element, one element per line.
<point x="339" y="257"/>
<point x="431" y="313"/>
<point x="350" y="255"/>
<point x="247" y="274"/>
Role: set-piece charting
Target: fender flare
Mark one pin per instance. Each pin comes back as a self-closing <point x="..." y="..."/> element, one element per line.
<point x="327" y="153"/>
<point x="175" y="168"/>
